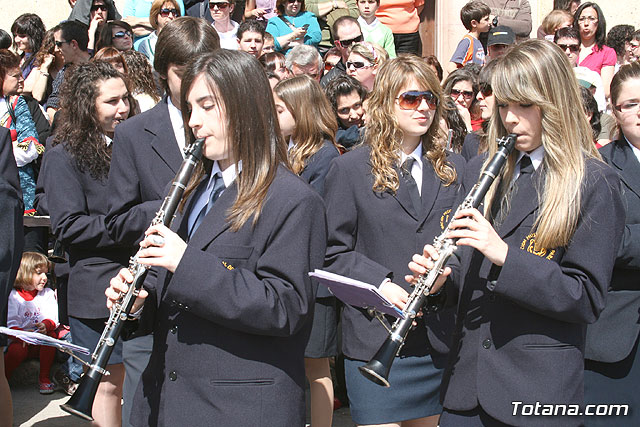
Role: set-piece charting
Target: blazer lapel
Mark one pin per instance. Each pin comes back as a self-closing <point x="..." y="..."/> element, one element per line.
<point x="430" y="189"/>
<point x="627" y="164"/>
<point x="523" y="203"/>
<point x="215" y="223"/>
<point x="403" y="197"/>
<point x="164" y="141"/>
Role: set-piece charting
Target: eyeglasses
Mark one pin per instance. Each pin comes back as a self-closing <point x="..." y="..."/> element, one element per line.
<point x="591" y="19"/>
<point x="572" y="47"/>
<point x="101" y="7"/>
<point x="628" y="107"/>
<point x="166" y="12"/>
<point x="485" y="89"/>
<point x="60" y="43"/>
<point x="349" y="42"/>
<point x="220" y="5"/>
<point x="358" y="64"/>
<point x="122" y="34"/>
<point x="411" y="100"/>
<point x="455" y="93"/>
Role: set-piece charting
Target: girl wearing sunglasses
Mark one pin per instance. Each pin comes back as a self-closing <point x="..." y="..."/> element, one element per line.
<point x="162" y="12"/>
<point x="118" y="34"/>
<point x="384" y="199"/>
<point x="363" y="62"/>
<point x="460" y="85"/>
<point x="293" y="26"/>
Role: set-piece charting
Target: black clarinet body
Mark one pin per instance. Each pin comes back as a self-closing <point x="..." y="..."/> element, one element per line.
<point x="378" y="368"/>
<point x="81" y="403"/>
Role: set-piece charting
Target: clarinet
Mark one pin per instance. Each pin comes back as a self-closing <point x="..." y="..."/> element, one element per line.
<point x="378" y="368"/>
<point x="81" y="402"/>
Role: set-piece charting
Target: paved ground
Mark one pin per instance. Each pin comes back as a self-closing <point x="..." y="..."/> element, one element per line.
<point x="30" y="408"/>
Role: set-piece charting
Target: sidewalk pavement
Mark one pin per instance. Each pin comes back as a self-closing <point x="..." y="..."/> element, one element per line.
<point x="30" y="408"/>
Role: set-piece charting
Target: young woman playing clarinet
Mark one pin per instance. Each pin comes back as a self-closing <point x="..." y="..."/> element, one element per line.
<point x="535" y="266"/>
<point x="384" y="200"/>
<point x="233" y="302"/>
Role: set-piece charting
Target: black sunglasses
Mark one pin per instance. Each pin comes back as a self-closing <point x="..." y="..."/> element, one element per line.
<point x="166" y="12"/>
<point x="485" y="89"/>
<point x="122" y="34"/>
<point x="98" y="7"/>
<point x="60" y="43"/>
<point x="411" y="100"/>
<point x="572" y="47"/>
<point x="465" y="93"/>
<point x="349" y="42"/>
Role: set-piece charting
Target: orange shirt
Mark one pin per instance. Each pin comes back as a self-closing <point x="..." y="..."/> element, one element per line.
<point x="400" y="15"/>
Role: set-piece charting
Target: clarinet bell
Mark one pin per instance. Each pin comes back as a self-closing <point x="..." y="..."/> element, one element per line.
<point x="378" y="368"/>
<point x="81" y="403"/>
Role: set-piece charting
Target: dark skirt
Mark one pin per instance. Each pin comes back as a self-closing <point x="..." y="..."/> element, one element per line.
<point x="323" y="341"/>
<point x="87" y="333"/>
<point x="613" y="383"/>
<point x="414" y="391"/>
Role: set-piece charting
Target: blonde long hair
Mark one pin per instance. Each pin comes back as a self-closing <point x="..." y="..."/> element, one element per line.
<point x="384" y="135"/>
<point x="315" y="121"/>
<point x="537" y="72"/>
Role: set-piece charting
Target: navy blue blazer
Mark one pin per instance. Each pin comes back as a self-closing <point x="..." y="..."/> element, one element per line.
<point x="372" y="236"/>
<point x="234" y="319"/>
<point x="10" y="224"/>
<point x="613" y="336"/>
<point x="77" y="206"/>
<point x="520" y="329"/>
<point x="145" y="158"/>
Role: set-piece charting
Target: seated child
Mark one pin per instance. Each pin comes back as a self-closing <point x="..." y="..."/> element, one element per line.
<point x="475" y="18"/>
<point x="34" y="308"/>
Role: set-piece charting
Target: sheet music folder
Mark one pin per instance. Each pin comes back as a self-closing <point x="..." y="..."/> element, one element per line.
<point x="356" y="293"/>
<point x="36" y="338"/>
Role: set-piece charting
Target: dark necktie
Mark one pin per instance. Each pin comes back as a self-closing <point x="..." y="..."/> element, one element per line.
<point x="502" y="208"/>
<point x="218" y="186"/>
<point x="411" y="183"/>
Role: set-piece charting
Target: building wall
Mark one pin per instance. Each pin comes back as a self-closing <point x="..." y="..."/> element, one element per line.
<point x="449" y="28"/>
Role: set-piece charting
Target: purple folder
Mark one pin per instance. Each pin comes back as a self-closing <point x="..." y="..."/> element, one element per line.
<point x="356" y="293"/>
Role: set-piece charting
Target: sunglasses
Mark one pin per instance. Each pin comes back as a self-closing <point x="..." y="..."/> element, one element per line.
<point x="485" y="89"/>
<point x="411" y="100"/>
<point x="349" y="42"/>
<point x="166" y="12"/>
<point x="60" y="43"/>
<point x="455" y="93"/>
<point x="294" y="1"/>
<point x="101" y="7"/>
<point x="358" y="64"/>
<point x="122" y="34"/>
<point x="220" y="5"/>
<point x="572" y="47"/>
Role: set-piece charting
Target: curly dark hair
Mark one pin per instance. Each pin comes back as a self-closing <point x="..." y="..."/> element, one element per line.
<point x="140" y="74"/>
<point x="343" y="85"/>
<point x="617" y="37"/>
<point x="48" y="46"/>
<point x="79" y="129"/>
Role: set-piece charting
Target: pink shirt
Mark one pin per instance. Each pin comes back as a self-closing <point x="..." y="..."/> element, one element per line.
<point x="599" y="58"/>
<point x="400" y="15"/>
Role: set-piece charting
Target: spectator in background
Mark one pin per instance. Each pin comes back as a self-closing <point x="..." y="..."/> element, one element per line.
<point x="5" y="40"/>
<point x="569" y="5"/>
<point x="227" y="28"/>
<point x="568" y="39"/>
<point x="372" y="29"/>
<point x="327" y="12"/>
<point x="476" y="142"/>
<point x="304" y="59"/>
<point x="346" y="31"/>
<point x="403" y="17"/>
<point x="515" y="14"/>
<point x="261" y="10"/>
<point x="269" y="43"/>
<point x="590" y="22"/>
<point x="331" y="58"/>
<point x="49" y="62"/>
<point x="97" y="17"/>
<point x="137" y="14"/>
<point x="551" y="23"/>
<point x="141" y="82"/>
<point x="499" y="40"/>
<point x="433" y="62"/>
<point x="293" y="26"/>
<point x="590" y="107"/>
<point x="619" y="39"/>
<point x="461" y="87"/>
<point x="161" y="13"/>
<point x="117" y="34"/>
<point x="81" y="11"/>
<point x="475" y="18"/>
<point x="274" y="62"/>
<point x="112" y="56"/>
<point x="453" y="126"/>
<point x="250" y="37"/>
<point x="347" y="97"/>
<point x="364" y="60"/>
<point x="634" y="45"/>
<point x="28" y="32"/>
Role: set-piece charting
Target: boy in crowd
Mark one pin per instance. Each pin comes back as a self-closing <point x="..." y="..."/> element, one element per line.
<point x="373" y="30"/>
<point x="268" y="44"/>
<point x="251" y="37"/>
<point x="499" y="40"/>
<point x="475" y="18"/>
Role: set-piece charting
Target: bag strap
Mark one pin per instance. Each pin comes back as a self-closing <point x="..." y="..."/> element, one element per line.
<point x="286" y="21"/>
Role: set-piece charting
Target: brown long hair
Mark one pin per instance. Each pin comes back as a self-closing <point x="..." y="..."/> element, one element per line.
<point x="382" y="132"/>
<point x="239" y="83"/>
<point x="315" y="121"/>
<point x="31" y="261"/>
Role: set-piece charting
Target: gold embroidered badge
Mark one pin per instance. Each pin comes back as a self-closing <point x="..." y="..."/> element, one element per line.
<point x="444" y="219"/>
<point x="529" y="245"/>
<point x="227" y="265"/>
